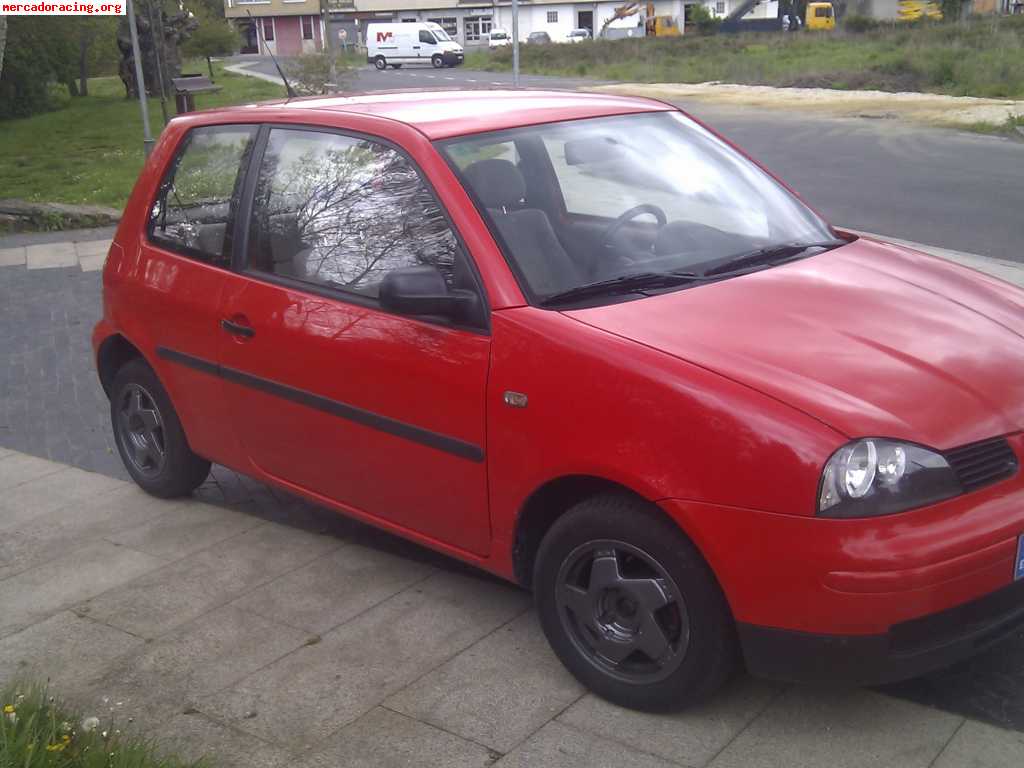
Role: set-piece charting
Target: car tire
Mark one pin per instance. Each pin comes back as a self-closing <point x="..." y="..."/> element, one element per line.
<point x="604" y="572"/>
<point x="437" y="61"/>
<point x="380" y="63"/>
<point x="149" y="436"/>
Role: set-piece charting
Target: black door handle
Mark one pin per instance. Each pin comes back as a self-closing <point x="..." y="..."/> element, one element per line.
<point x="236" y="329"/>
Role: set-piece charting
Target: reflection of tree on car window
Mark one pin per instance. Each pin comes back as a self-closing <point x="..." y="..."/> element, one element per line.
<point x="342" y="212"/>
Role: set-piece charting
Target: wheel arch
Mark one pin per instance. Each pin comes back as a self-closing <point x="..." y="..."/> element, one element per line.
<point x="113" y="353"/>
<point x="552" y="500"/>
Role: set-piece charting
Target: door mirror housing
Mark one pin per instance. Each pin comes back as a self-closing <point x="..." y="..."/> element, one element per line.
<point x="422" y="290"/>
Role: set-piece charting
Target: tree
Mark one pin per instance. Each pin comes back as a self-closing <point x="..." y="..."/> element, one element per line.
<point x="213" y="37"/>
<point x="97" y="49"/>
<point x="3" y="41"/>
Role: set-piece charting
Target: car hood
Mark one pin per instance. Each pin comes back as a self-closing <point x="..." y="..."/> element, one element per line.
<point x="869" y="338"/>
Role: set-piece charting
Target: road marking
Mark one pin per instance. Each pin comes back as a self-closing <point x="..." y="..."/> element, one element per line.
<point x="449" y="78"/>
<point x="430" y="76"/>
<point x="496" y="82"/>
<point x="470" y="80"/>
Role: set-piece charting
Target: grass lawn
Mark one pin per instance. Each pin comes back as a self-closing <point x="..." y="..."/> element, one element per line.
<point x="38" y="732"/>
<point x="983" y="57"/>
<point x="91" y="150"/>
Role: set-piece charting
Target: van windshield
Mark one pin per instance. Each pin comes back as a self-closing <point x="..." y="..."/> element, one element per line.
<point x="440" y="34"/>
<point x="498" y="35"/>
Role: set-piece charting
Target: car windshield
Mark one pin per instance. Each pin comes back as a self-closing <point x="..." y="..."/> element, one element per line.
<point x="498" y="35"/>
<point x="619" y="205"/>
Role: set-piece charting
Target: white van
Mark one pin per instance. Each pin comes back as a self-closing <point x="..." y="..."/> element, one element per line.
<point x="499" y="38"/>
<point x="411" y="42"/>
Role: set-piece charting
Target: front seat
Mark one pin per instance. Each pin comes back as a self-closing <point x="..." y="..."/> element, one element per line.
<point x="526" y="232"/>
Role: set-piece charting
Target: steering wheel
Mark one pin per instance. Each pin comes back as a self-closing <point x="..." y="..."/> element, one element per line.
<point x="632" y="213"/>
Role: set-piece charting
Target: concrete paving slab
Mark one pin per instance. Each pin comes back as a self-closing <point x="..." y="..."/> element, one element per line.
<point x="88" y="248"/>
<point x="194" y="737"/>
<point x="334" y="588"/>
<point x="42" y="495"/>
<point x="21" y="468"/>
<point x="12" y="257"/>
<point x="977" y="745"/>
<point x="169" y="675"/>
<point x="48" y="536"/>
<point x="89" y="570"/>
<point x="303" y="698"/>
<point x="692" y="737"/>
<point x="172" y="596"/>
<point x="189" y="528"/>
<point x="51" y="255"/>
<point x="68" y="650"/>
<point x="470" y="695"/>
<point x="4" y="453"/>
<point x="841" y="729"/>
<point x="92" y="263"/>
<point x="559" y="746"/>
<point x="385" y="739"/>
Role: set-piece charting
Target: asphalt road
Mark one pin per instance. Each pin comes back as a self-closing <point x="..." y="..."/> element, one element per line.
<point x="941" y="187"/>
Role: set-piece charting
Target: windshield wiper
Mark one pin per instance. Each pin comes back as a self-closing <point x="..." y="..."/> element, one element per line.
<point x="622" y="284"/>
<point x="769" y="256"/>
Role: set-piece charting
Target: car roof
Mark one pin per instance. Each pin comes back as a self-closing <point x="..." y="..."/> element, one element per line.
<point x="441" y="114"/>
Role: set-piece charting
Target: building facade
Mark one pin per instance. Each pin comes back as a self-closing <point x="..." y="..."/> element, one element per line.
<point x="281" y="27"/>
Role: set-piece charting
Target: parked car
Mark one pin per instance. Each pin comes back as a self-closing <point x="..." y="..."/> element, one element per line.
<point x="668" y="397"/>
<point x="578" y="35"/>
<point x="538" y="38"/>
<point x="499" y="38"/>
<point x="411" y="42"/>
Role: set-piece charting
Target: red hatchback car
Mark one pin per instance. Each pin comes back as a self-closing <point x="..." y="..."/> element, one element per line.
<point x="582" y="342"/>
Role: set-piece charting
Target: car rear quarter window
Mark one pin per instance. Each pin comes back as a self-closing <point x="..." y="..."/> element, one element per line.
<point x="198" y="196"/>
<point x="340" y="212"/>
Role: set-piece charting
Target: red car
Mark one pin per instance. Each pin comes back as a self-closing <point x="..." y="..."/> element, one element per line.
<point x="584" y="343"/>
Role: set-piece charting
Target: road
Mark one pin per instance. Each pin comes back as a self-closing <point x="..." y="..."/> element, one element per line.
<point x="945" y="188"/>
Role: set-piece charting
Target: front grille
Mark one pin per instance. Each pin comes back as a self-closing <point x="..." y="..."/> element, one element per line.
<point x="980" y="464"/>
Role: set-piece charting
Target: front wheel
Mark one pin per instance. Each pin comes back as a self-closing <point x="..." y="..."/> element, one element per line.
<point x="380" y="63"/>
<point x="149" y="435"/>
<point x="437" y="61"/>
<point x="631" y="608"/>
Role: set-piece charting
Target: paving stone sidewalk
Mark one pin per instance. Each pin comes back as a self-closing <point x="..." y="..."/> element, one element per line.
<point x="290" y="637"/>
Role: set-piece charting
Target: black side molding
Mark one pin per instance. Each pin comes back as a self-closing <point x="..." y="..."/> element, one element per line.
<point x="401" y="429"/>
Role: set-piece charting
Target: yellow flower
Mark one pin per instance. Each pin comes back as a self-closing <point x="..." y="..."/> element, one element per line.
<point x="55" y="747"/>
<point x="8" y="709"/>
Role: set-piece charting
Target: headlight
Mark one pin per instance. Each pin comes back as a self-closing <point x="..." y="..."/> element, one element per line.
<point x="880" y="477"/>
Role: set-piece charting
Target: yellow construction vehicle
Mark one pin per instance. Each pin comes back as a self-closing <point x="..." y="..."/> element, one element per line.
<point x="821" y="16"/>
<point x="913" y="10"/>
<point x="653" y="26"/>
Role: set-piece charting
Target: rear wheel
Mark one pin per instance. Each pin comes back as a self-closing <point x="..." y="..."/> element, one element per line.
<point x="380" y="62"/>
<point x="437" y="61"/>
<point x="149" y="436"/>
<point x="631" y="608"/>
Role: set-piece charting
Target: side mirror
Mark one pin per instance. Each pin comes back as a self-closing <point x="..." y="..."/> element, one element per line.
<point x="422" y="290"/>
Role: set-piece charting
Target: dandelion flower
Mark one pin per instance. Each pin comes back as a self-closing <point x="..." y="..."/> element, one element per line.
<point x="90" y="724"/>
<point x="8" y="709"/>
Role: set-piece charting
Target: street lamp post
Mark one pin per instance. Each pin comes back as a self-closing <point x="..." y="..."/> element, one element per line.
<point x="140" y="84"/>
<point x="515" y="43"/>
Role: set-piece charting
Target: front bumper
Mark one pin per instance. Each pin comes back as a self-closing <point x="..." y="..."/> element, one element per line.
<point x="870" y="599"/>
<point x="907" y="650"/>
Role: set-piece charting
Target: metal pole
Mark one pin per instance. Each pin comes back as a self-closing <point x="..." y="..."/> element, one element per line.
<point x="515" y="43"/>
<point x="140" y="84"/>
<point x="332" y="70"/>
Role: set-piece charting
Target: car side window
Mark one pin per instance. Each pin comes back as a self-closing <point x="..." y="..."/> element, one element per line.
<point x="426" y="37"/>
<point x="341" y="212"/>
<point x="199" y="194"/>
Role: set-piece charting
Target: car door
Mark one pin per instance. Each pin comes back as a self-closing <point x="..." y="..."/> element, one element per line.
<point x="328" y="393"/>
<point x="172" y="301"/>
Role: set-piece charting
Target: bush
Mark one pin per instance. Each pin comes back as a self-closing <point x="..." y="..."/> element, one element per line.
<point x="859" y="24"/>
<point x="310" y="74"/>
<point x="703" y="20"/>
